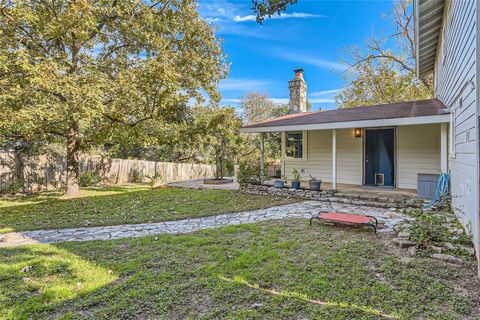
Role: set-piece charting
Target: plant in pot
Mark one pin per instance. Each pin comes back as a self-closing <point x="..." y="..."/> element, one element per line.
<point x="296" y="179"/>
<point x="314" y="183"/>
<point x="279" y="183"/>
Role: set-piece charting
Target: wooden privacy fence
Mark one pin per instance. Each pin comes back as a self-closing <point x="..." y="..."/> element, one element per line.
<point x="46" y="172"/>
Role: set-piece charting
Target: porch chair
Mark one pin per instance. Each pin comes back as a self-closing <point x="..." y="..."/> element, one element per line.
<point x="347" y="218"/>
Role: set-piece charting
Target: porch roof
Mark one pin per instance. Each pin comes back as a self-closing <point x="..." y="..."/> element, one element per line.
<point x="394" y="114"/>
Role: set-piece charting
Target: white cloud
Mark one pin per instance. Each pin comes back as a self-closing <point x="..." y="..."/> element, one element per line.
<point x="280" y="100"/>
<point x="211" y="20"/>
<point x="302" y="58"/>
<point x="325" y="92"/>
<point x="293" y="15"/>
<point x="250" y="17"/>
<point x="232" y="84"/>
<point x="232" y="100"/>
<point x="321" y="100"/>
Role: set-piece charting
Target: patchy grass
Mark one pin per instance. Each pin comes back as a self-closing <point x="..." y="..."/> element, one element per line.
<point x="122" y="205"/>
<point x="270" y="270"/>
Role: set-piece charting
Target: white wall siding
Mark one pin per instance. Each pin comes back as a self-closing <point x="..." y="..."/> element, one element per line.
<point x="318" y="162"/>
<point x="349" y="157"/>
<point x="455" y="75"/>
<point x="418" y="151"/>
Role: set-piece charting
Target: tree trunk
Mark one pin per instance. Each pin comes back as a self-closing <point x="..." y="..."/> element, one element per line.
<point x="19" y="170"/>
<point x="217" y="166"/>
<point x="221" y="167"/>
<point x="73" y="170"/>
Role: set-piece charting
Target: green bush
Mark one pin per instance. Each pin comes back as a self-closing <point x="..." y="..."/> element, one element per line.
<point x="248" y="172"/>
<point x="154" y="179"/>
<point x="17" y="186"/>
<point x="89" y="179"/>
<point x="136" y="176"/>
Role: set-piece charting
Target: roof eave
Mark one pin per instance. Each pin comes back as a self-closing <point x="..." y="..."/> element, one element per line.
<point x="432" y="16"/>
<point x="432" y="119"/>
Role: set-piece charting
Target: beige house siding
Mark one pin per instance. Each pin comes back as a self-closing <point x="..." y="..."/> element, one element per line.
<point x="418" y="151"/>
<point x="349" y="157"/>
<point x="318" y="160"/>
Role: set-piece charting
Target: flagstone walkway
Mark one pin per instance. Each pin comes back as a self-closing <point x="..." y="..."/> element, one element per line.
<point x="387" y="219"/>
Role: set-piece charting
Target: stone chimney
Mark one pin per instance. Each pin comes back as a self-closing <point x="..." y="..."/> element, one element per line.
<point x="298" y="92"/>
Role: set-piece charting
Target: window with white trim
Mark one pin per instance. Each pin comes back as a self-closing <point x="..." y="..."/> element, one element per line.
<point x="294" y="145"/>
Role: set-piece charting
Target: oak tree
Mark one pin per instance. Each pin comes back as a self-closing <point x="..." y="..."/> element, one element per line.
<point x="73" y="71"/>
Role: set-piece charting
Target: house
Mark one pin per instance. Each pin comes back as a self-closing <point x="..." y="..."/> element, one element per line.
<point x="400" y="145"/>
<point x="387" y="146"/>
<point x="447" y="46"/>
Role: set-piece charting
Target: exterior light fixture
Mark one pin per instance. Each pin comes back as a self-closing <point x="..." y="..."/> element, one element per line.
<point x="358" y="132"/>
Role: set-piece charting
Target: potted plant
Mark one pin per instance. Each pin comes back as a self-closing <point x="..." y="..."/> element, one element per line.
<point x="279" y="183"/>
<point x="296" y="179"/>
<point x="314" y="183"/>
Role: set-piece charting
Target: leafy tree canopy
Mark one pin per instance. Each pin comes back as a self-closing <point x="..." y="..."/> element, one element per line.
<point x="76" y="71"/>
<point x="267" y="8"/>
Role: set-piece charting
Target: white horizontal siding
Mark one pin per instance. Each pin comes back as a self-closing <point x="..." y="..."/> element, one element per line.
<point x="418" y="151"/>
<point x="349" y="157"/>
<point x="455" y="74"/>
<point x="318" y="162"/>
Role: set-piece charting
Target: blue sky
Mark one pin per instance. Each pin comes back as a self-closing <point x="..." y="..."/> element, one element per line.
<point x="311" y="35"/>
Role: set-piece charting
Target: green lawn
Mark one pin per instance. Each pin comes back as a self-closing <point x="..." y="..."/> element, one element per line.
<point x="271" y="270"/>
<point x="122" y="205"/>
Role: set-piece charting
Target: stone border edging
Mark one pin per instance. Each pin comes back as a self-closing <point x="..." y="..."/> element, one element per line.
<point x="334" y="196"/>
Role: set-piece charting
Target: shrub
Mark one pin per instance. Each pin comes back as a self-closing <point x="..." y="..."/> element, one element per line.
<point x="248" y="172"/>
<point x="136" y="176"/>
<point x="157" y="177"/>
<point x="89" y="179"/>
<point x="15" y="187"/>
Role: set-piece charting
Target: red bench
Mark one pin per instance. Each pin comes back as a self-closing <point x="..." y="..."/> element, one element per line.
<point x="346" y="218"/>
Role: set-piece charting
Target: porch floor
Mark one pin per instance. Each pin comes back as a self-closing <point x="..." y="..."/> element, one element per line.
<point x="395" y="193"/>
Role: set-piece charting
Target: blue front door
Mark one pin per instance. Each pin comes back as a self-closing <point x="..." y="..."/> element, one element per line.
<point x="379" y="157"/>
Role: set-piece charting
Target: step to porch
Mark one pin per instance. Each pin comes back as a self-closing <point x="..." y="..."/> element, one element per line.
<point x="378" y="199"/>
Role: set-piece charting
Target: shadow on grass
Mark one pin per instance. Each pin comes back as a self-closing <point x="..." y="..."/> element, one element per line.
<point x="124" y="205"/>
<point x="266" y="270"/>
<point x="86" y="192"/>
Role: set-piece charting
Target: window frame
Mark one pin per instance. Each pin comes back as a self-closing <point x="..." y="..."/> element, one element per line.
<point x="304" y="145"/>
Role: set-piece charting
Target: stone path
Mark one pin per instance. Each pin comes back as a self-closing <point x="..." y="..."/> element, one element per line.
<point x="198" y="184"/>
<point x="387" y="219"/>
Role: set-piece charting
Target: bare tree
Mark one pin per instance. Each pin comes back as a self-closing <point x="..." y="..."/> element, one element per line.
<point x="380" y="74"/>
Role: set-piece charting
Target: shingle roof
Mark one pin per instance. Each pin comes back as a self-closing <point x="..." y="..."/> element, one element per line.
<point x="430" y="107"/>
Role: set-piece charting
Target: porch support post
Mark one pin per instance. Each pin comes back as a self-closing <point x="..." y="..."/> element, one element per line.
<point x="262" y="157"/>
<point x="334" y="159"/>
<point x="444" y="147"/>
